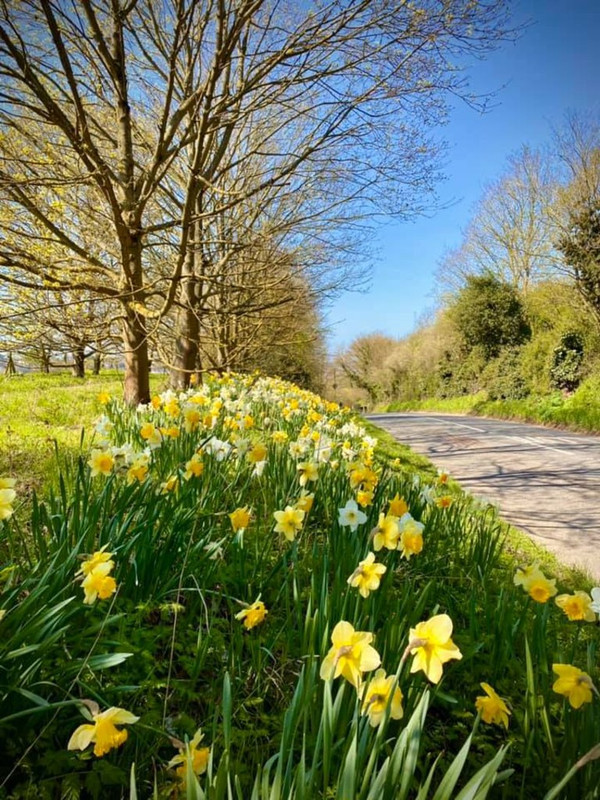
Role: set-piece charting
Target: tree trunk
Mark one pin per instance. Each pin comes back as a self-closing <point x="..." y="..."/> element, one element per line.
<point x="10" y="368"/>
<point x="137" y="365"/>
<point x="79" y="362"/>
<point x="97" y="364"/>
<point x="188" y="323"/>
<point x="44" y="360"/>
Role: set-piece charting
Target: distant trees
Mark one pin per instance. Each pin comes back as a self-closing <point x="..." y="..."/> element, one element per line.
<point x="144" y="147"/>
<point x="520" y="297"/>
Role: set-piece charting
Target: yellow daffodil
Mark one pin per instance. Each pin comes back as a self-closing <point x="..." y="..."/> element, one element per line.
<point x="289" y="522"/>
<point x="576" y="606"/>
<point x="397" y="507"/>
<point x="97" y="558"/>
<point x="367" y="576"/>
<point x="364" y="498"/>
<point x="386" y="532"/>
<point x="240" y="518"/>
<point x="377" y="695"/>
<point x="171" y="433"/>
<point x="103" y="398"/>
<point x="445" y="501"/>
<point x="194" y="467"/>
<point x="101" y="463"/>
<point x="191" y="417"/>
<point x="172" y="407"/>
<point x="309" y="471"/>
<point x="7" y="498"/>
<point x="411" y="536"/>
<point x="492" y="707"/>
<point x="305" y="502"/>
<point x="432" y="646"/>
<point x="525" y="575"/>
<point x="351" y="654"/>
<point x="279" y="437"/>
<point x="147" y="431"/>
<point x="257" y="453"/>
<point x="138" y="471"/>
<point x="253" y="615"/>
<point x="98" y="583"/>
<point x="197" y="757"/>
<point x="156" y="402"/>
<point x="169" y="485"/>
<point x="8" y="483"/>
<point x="573" y="683"/>
<point x="541" y="589"/>
<point x="102" y="731"/>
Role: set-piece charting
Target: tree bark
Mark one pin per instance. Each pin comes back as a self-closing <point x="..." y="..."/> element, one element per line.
<point x="79" y="362"/>
<point x="10" y="368"/>
<point x="97" y="364"/>
<point x="137" y="365"/>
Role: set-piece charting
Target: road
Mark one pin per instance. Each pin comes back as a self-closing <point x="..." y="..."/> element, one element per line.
<point x="545" y="482"/>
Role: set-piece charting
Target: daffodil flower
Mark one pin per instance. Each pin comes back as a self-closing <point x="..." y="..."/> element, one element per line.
<point x="492" y="707"/>
<point x="191" y="754"/>
<point x="367" y="576"/>
<point x="573" y="683"/>
<point x="253" y="615"/>
<point x="577" y="606"/>
<point x="379" y="693"/>
<point x="102" y="731"/>
<point x="432" y="646"/>
<point x="351" y="654"/>
<point x="351" y="516"/>
<point x="98" y="583"/>
<point x="289" y="522"/>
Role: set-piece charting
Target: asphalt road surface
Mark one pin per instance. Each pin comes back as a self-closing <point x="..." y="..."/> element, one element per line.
<point x="545" y="482"/>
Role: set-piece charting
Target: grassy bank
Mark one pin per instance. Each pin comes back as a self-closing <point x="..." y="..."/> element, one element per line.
<point x="579" y="411"/>
<point x="202" y="571"/>
<point x="40" y="412"/>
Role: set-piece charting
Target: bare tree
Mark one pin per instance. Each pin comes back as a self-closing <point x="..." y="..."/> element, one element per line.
<point x="508" y="236"/>
<point x="102" y="100"/>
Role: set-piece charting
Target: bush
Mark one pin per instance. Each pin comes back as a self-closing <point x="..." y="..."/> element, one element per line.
<point x="503" y="377"/>
<point x="566" y="370"/>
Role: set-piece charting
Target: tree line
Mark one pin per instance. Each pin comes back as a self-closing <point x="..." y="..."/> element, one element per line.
<point x="187" y="180"/>
<point x="518" y="308"/>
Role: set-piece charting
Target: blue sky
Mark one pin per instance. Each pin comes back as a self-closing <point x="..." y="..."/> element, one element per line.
<point x="553" y="67"/>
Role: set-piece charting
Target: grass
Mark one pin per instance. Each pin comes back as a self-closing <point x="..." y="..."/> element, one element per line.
<point x="579" y="411"/>
<point x="40" y="412"/>
<point x="167" y="645"/>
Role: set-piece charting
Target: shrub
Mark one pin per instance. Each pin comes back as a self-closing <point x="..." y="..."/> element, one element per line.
<point x="566" y="370"/>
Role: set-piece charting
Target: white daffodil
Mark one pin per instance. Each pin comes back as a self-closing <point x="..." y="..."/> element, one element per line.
<point x="351" y="516"/>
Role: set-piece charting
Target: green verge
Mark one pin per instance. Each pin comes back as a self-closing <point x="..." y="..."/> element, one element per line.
<point x="579" y="411"/>
<point x="169" y="646"/>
